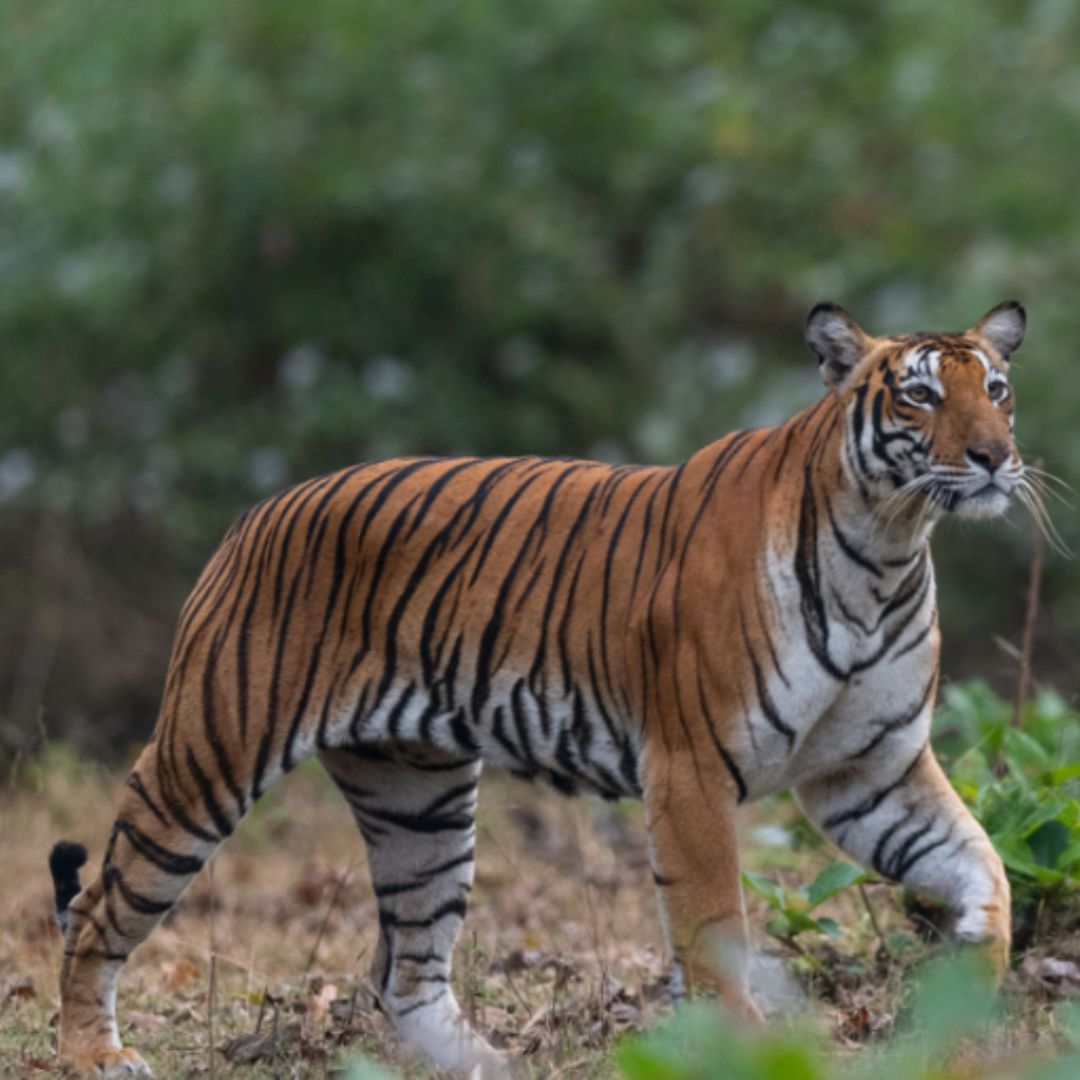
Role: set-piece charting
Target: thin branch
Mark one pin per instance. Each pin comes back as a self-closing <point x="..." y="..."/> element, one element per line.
<point x="341" y="883"/>
<point x="874" y="920"/>
<point x="210" y="1016"/>
<point x="212" y="1002"/>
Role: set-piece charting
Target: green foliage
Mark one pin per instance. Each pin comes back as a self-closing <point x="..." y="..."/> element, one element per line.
<point x="793" y="907"/>
<point x="952" y="1003"/>
<point x="1021" y="782"/>
<point x="363" y="1069"/>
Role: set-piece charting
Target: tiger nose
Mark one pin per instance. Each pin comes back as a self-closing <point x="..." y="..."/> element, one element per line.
<point x="989" y="455"/>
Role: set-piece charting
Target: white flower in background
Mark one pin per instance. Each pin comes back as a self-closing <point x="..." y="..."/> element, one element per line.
<point x="72" y="427"/>
<point x="17" y="471"/>
<point x="301" y="367"/>
<point x="386" y="378"/>
<point x="267" y="468"/>
<point x="728" y="362"/>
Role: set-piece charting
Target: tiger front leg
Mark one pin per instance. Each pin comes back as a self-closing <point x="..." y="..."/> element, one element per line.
<point x="690" y="817"/>
<point x="900" y="816"/>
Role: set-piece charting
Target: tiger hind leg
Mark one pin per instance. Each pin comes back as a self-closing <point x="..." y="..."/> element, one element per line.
<point x="418" y="823"/>
<point x="155" y="849"/>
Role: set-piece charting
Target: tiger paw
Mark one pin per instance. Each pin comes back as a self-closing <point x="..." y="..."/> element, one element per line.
<point x="110" y="1064"/>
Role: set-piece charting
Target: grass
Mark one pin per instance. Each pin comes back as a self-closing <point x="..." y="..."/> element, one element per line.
<point x="561" y="953"/>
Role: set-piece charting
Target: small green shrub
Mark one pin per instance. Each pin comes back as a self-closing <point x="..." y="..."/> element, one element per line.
<point x="1022" y="782"/>
<point x="793" y="907"/>
<point x="952" y="1003"/>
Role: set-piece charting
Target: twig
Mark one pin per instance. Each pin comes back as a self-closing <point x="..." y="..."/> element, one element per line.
<point x="210" y="1017"/>
<point x="1031" y="613"/>
<point x="212" y="1003"/>
<point x="817" y="966"/>
<point x="262" y="1009"/>
<point x="274" y="1042"/>
<point x="874" y="920"/>
<point x="516" y="992"/>
<point x="472" y="980"/>
<point x="341" y="882"/>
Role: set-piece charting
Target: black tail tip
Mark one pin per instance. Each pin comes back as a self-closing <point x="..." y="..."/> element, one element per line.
<point x="65" y="860"/>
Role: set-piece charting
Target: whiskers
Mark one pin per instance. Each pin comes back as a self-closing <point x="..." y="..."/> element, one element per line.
<point x="944" y="488"/>
<point x="1032" y="487"/>
<point x="917" y="493"/>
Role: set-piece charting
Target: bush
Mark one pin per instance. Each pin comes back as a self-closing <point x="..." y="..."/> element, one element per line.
<point x="1022" y="783"/>
<point x="952" y="1004"/>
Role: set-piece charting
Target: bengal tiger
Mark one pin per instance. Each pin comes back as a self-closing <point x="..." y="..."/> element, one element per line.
<point x="760" y="617"/>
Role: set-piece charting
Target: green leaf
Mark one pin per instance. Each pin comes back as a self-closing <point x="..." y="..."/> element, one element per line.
<point x="766" y="889"/>
<point x="1069" y="857"/>
<point x="1048" y="843"/>
<point x="833" y="879"/>
<point x="363" y="1069"/>
<point x="1024" y="751"/>
<point x="829" y="926"/>
<point x="1064" y="773"/>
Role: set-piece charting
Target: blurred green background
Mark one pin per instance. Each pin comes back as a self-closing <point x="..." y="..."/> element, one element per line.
<point x="246" y="242"/>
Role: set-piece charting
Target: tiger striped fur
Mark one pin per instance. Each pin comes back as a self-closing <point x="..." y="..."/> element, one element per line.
<point x="760" y="617"/>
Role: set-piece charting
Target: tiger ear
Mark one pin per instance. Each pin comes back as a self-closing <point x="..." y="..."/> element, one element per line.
<point x="838" y="340"/>
<point x="1003" y="327"/>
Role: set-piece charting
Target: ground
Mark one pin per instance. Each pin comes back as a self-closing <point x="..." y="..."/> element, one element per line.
<point x="562" y="954"/>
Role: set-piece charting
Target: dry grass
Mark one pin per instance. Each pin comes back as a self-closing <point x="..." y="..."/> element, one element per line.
<point x="561" y="953"/>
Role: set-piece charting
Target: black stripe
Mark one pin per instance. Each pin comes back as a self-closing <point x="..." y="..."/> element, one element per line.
<point x="456" y="821"/>
<point x="876" y="858"/>
<point x="210" y="727"/>
<point x="847" y="547"/>
<point x="164" y="859"/>
<point x="915" y="642"/>
<point x="807" y="574"/>
<point x="725" y="757"/>
<point x="768" y="706"/>
<point x="135" y="900"/>
<point x="482" y="683"/>
<point x="908" y="864"/>
<point x="221" y="820"/>
<point x="872" y="801"/>
<point x="134" y="781"/>
<point x="389" y="919"/>
<point x="895" y="723"/>
<point x="899" y="856"/>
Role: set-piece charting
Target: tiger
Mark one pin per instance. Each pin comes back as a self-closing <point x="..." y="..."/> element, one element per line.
<point x="759" y="617"/>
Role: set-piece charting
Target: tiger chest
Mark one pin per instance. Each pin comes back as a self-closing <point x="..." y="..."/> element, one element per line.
<point x="855" y="686"/>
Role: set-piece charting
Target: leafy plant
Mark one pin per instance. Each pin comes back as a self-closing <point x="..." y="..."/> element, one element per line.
<point x="793" y="907"/>
<point x="1022" y="782"/>
<point x="952" y="1002"/>
<point x="365" y="1069"/>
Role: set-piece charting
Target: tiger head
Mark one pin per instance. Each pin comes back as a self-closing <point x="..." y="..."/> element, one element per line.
<point x="929" y="415"/>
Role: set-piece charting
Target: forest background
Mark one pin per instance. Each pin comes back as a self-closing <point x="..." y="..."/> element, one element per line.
<point x="244" y="243"/>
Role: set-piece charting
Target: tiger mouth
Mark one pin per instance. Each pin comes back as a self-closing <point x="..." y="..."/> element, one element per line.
<point x="988" y="500"/>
